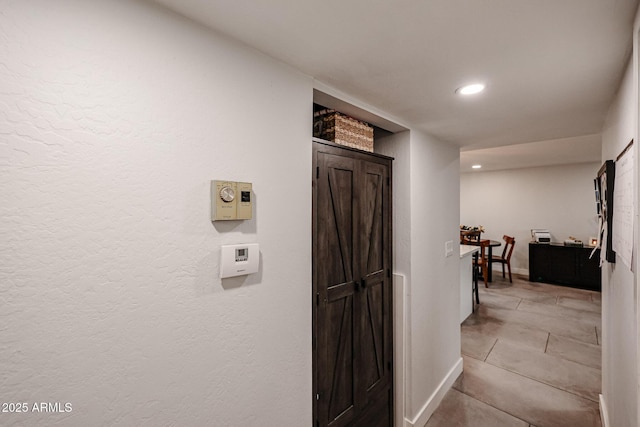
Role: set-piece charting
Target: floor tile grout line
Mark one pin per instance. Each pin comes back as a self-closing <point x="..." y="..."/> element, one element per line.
<point x="576" y="312"/>
<point x="472" y="356"/>
<point x="494" y="407"/>
<point x="547" y="343"/>
<point x="574" y="318"/>
<point x="561" y="291"/>
<point x="519" y="302"/>
<point x="545" y="330"/>
<point x="599" y="368"/>
<point x="560" y="335"/>
<point x="571" y="360"/>
<point x="490" y="350"/>
<point x="545" y="383"/>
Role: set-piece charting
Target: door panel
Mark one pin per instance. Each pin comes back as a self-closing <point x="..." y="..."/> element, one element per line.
<point x="372" y="232"/>
<point x="340" y="369"/>
<point x="336" y="219"/>
<point x="372" y="341"/>
<point x="352" y="307"/>
<point x="379" y="413"/>
<point x="376" y="346"/>
<point x="336" y="247"/>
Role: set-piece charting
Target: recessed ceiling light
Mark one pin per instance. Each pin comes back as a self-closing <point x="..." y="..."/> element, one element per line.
<point x="470" y="89"/>
<point x="476" y="166"/>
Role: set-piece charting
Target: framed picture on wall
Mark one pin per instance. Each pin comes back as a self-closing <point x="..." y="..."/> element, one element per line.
<point x="604" y="198"/>
<point x="596" y="185"/>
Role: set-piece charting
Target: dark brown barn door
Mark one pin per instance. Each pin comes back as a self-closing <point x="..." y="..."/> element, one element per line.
<point x="352" y="306"/>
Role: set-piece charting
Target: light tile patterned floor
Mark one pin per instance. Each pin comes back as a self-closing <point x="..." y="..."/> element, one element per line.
<point x="531" y="358"/>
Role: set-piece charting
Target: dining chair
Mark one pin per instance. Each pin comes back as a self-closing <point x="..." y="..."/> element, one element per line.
<point x="481" y="263"/>
<point x="475" y="298"/>
<point x="505" y="258"/>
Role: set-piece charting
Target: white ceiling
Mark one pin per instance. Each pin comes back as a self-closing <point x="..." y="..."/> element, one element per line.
<point x="581" y="149"/>
<point x="551" y="67"/>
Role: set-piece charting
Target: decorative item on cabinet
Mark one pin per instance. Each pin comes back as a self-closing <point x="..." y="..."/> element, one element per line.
<point x="334" y="126"/>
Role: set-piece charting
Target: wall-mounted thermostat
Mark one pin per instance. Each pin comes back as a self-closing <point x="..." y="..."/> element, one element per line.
<point x="231" y="200"/>
<point x="238" y="260"/>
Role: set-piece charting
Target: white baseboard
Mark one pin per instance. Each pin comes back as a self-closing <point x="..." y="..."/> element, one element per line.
<point x="432" y="403"/>
<point x="604" y="415"/>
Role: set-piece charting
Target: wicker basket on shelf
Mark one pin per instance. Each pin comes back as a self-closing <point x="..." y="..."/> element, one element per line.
<point x="333" y="126"/>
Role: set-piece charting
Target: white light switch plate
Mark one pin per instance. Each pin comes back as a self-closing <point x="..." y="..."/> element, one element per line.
<point x="448" y="248"/>
<point x="239" y="260"/>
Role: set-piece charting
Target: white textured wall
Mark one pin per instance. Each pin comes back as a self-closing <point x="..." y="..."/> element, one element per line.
<point x="619" y="284"/>
<point x="434" y="283"/>
<point x="512" y="202"/>
<point x="114" y="117"/>
<point x="426" y="205"/>
<point x="398" y="146"/>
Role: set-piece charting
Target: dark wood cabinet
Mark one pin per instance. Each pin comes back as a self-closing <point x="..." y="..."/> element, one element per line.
<point x="352" y="306"/>
<point x="564" y="265"/>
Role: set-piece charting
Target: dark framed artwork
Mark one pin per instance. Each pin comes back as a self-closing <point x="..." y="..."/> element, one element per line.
<point x="604" y="186"/>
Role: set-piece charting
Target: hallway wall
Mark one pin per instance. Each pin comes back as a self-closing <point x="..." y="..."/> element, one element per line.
<point x="115" y="117"/>
<point x="435" y="292"/>
<point x="422" y="224"/>
<point x="619" y="285"/>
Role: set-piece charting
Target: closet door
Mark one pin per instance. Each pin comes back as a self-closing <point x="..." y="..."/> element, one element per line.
<point x="352" y="307"/>
<point x="336" y="294"/>
<point x="376" y="344"/>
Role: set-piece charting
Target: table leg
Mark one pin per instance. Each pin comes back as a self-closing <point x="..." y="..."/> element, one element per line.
<point x="474" y="285"/>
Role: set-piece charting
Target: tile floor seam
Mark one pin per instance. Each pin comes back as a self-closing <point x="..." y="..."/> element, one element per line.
<point x="549" y="332"/>
<point x="491" y="349"/>
<point x="533" y="326"/>
<point x="547" y="344"/>
<point x="577" y="339"/>
<point x="543" y="382"/>
<point x="495" y="407"/>
<point x="472" y="356"/>
<point x="519" y="302"/>
<point x="571" y="360"/>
